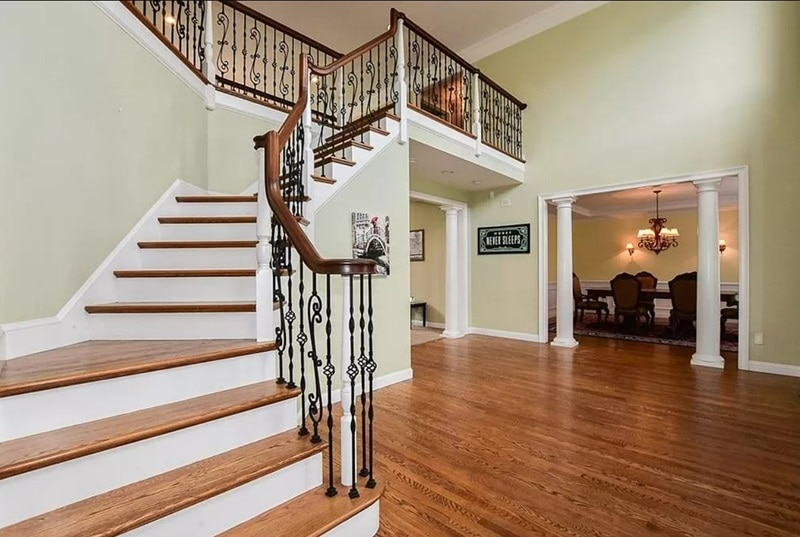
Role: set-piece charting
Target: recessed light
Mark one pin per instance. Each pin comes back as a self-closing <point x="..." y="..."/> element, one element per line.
<point x="477" y="182"/>
<point x="448" y="172"/>
<point x="169" y="19"/>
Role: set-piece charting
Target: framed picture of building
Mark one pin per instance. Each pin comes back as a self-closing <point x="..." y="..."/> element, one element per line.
<point x="416" y="247"/>
<point x="370" y="239"/>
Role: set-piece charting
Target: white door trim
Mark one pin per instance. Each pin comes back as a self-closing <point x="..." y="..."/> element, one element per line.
<point x="463" y="252"/>
<point x="742" y="175"/>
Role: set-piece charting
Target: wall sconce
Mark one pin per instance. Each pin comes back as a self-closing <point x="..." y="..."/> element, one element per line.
<point x="630" y="248"/>
<point x="722" y="245"/>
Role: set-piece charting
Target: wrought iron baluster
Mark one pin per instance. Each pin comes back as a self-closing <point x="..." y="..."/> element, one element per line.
<point x="352" y="373"/>
<point x="234" y="48"/>
<point x="315" y="409"/>
<point x="371" y="367"/>
<point x="362" y="366"/>
<point x="302" y="338"/>
<point x="224" y="21"/>
<point x="255" y="35"/>
<point x="280" y="246"/>
<point x="329" y="371"/>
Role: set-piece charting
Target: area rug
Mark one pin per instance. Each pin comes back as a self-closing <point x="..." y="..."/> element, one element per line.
<point x="661" y="333"/>
<point x="420" y="335"/>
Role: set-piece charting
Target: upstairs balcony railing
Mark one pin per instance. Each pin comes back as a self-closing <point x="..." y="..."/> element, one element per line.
<point x="245" y="53"/>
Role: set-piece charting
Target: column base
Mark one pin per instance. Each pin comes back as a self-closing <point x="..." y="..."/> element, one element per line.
<point x="708" y="360"/>
<point x="451" y="334"/>
<point x="564" y="342"/>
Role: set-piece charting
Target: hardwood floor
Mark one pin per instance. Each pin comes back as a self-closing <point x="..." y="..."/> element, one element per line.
<point x="497" y="437"/>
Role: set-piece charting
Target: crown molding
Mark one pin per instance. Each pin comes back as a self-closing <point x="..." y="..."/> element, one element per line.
<point x="528" y="27"/>
<point x="725" y="202"/>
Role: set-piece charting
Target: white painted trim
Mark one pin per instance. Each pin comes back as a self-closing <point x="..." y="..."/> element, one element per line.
<point x="527" y="27"/>
<point x="742" y="175"/>
<point x="378" y="383"/>
<point x="71" y="323"/>
<point x="725" y="202"/>
<point x="118" y="13"/>
<point x="522" y="336"/>
<point x="435" y="200"/>
<point x="775" y="369"/>
<point x="364" y="524"/>
<point x="438" y="326"/>
<point x="232" y="103"/>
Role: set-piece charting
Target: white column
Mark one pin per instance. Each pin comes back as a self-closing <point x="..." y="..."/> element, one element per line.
<point x="265" y="322"/>
<point x="308" y="147"/>
<point x="209" y="68"/>
<point x="476" y="113"/>
<point x="451" y="298"/>
<point x="402" y="89"/>
<point x="708" y="334"/>
<point x="565" y="304"/>
<point x="346" y="439"/>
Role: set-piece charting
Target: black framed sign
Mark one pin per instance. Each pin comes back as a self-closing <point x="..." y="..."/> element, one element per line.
<point x="510" y="239"/>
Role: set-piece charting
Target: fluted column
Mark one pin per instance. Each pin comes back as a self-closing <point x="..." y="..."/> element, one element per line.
<point x="564" y="333"/>
<point x="708" y="307"/>
<point x="451" y="299"/>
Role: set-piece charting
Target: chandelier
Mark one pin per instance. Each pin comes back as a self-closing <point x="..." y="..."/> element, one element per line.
<point x="658" y="237"/>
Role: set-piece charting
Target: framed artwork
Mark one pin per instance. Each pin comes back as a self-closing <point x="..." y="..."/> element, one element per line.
<point x="416" y="247"/>
<point x="511" y="239"/>
<point x="371" y="239"/>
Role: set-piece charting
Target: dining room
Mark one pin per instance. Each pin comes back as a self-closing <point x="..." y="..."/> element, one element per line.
<point x="635" y="265"/>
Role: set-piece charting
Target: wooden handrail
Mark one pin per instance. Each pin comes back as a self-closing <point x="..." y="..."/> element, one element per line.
<point x="493" y="84"/>
<point x="358" y="51"/>
<point x="282" y="27"/>
<point x="273" y="142"/>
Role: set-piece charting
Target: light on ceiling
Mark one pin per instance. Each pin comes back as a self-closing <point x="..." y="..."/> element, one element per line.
<point x="169" y="19"/>
<point x="657" y="237"/>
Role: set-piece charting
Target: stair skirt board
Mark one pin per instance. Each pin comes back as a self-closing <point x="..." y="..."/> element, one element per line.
<point x="224" y="511"/>
<point x="197" y="258"/>
<point x="364" y="524"/>
<point x="46" y="410"/>
<point x="208" y="232"/>
<point x="172" y="325"/>
<point x="33" y="493"/>
<point x="191" y="289"/>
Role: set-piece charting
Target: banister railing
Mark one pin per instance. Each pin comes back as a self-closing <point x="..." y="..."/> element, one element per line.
<point x="500" y="118"/>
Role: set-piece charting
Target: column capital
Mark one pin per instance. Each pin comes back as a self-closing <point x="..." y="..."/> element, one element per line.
<point x="451" y="209"/>
<point x="566" y="201"/>
<point x="708" y="185"/>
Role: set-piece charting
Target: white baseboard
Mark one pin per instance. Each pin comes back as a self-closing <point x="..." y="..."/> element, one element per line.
<point x="71" y="324"/>
<point x="775" y="369"/>
<point x="522" y="336"/>
<point x="417" y="322"/>
<point x="378" y="383"/>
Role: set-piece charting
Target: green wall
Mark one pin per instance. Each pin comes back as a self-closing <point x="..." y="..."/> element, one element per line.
<point x="637" y="90"/>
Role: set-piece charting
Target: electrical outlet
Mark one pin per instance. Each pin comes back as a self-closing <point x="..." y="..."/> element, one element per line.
<point x="758" y="338"/>
<point x="505" y="202"/>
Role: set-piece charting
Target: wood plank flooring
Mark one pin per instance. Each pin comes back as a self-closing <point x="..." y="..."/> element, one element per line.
<point x="497" y="437"/>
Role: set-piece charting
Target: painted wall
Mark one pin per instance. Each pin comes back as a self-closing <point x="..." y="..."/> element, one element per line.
<point x="599" y="247"/>
<point x="437" y="189"/>
<point x="636" y="90"/>
<point x="381" y="187"/>
<point x="93" y="131"/>
<point x="428" y="276"/>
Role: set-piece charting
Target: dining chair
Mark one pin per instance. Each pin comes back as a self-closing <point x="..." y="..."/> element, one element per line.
<point x="583" y="302"/>
<point x="625" y="289"/>
<point x="649" y="281"/>
<point x="729" y="313"/>
<point x="683" y="292"/>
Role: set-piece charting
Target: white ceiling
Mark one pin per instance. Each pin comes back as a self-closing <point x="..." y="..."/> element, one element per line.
<point x="641" y="200"/>
<point x="475" y="28"/>
<point x="428" y="164"/>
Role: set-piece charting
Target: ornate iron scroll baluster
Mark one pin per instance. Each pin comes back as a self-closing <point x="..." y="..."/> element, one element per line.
<point x="302" y="338"/>
<point x="315" y="409"/>
<point x="280" y="246"/>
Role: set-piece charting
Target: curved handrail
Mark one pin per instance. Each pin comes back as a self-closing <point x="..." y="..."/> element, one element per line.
<point x="273" y="142"/>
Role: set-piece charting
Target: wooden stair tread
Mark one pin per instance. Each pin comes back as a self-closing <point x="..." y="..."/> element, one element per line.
<point x="332" y="159"/>
<point x="338" y="145"/>
<point x="323" y="179"/>
<point x="97" y="360"/>
<point x="137" y="504"/>
<point x="53" y="447"/>
<point x="352" y="132"/>
<point x="186" y="273"/>
<point x="172" y="307"/>
<point x="216" y="199"/>
<point x="198" y="244"/>
<point x="207" y="219"/>
<point x="309" y="515"/>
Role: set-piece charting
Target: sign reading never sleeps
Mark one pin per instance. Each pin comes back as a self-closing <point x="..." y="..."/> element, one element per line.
<point x="511" y="239"/>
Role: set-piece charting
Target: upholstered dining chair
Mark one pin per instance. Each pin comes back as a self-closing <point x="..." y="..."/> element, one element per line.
<point x="683" y="292"/>
<point x="729" y="313"/>
<point x="625" y="289"/>
<point x="583" y="302"/>
<point x="649" y="281"/>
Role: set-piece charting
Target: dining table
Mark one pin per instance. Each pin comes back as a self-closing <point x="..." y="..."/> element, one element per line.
<point x="729" y="297"/>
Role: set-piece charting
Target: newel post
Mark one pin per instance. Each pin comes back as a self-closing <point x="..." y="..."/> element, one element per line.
<point x="308" y="146"/>
<point x="209" y="68"/>
<point x="476" y="112"/>
<point x="400" y="79"/>
<point x="265" y="329"/>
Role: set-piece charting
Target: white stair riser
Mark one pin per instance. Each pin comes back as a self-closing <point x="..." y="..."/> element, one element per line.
<point x="172" y="325"/>
<point x="186" y="289"/>
<point x="339" y="172"/>
<point x="364" y="524"/>
<point x="46" y="410"/>
<point x="208" y="232"/>
<point x="224" y="511"/>
<point x="33" y="493"/>
<point x="212" y="209"/>
<point x="197" y="258"/>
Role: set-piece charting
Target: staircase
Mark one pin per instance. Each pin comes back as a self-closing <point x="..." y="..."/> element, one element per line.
<point x="172" y="422"/>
